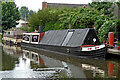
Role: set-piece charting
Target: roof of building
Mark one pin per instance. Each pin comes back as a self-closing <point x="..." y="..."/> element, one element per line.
<point x="66" y="4"/>
<point x="22" y="21"/>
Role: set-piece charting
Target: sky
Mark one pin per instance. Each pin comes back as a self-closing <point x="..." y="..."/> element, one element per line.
<point x="35" y="5"/>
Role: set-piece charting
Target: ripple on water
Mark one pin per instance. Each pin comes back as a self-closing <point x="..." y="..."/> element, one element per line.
<point x="26" y="74"/>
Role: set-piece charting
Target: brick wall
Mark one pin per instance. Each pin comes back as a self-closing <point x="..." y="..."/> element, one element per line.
<point x="44" y="5"/>
<point x="61" y="5"/>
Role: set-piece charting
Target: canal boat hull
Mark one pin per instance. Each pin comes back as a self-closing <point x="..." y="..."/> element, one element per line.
<point x="72" y="51"/>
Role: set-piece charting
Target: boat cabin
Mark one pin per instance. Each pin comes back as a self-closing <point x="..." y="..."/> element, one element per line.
<point x="33" y="38"/>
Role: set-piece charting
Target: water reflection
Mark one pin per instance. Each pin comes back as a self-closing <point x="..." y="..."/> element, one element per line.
<point x="14" y="65"/>
<point x="31" y="63"/>
<point x="44" y="63"/>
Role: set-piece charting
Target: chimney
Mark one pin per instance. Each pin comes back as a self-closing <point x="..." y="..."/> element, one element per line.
<point x="40" y="29"/>
<point x="44" y="5"/>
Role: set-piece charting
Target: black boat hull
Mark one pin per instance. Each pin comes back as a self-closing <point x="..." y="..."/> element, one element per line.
<point x="75" y="51"/>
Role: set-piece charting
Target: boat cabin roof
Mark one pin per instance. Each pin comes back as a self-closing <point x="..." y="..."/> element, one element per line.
<point x="14" y="32"/>
<point x="32" y="33"/>
<point x="70" y="37"/>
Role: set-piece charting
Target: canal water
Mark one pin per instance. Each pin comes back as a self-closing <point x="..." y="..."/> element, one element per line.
<point x="17" y="62"/>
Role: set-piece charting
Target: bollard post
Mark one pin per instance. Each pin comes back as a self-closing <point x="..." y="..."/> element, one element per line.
<point x="111" y="39"/>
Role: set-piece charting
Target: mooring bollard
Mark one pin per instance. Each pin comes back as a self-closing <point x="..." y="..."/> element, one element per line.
<point x="111" y="39"/>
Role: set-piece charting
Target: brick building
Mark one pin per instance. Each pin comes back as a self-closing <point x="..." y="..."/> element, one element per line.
<point x="61" y="5"/>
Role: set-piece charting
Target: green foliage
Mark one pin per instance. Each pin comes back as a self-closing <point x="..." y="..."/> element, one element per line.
<point x="47" y="18"/>
<point x="25" y="13"/>
<point x="108" y="26"/>
<point x="80" y="18"/>
<point x="60" y="18"/>
<point x="118" y="4"/>
<point x="0" y="13"/>
<point x="100" y="21"/>
<point x="107" y="7"/>
<point x="31" y="12"/>
<point x="51" y="26"/>
<point x="107" y="22"/>
<point x="27" y="29"/>
<point x="10" y="15"/>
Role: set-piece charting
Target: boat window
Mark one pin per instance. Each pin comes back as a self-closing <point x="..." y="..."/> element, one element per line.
<point x="9" y="33"/>
<point x="35" y="38"/>
<point x="32" y="56"/>
<point x="5" y="33"/>
<point x="67" y="38"/>
<point x="26" y="37"/>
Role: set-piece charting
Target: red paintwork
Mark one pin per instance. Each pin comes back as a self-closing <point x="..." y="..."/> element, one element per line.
<point x="118" y="47"/>
<point x="96" y="47"/>
<point x="111" y="39"/>
<point x="89" y="48"/>
<point x="40" y="36"/>
<point x="87" y="45"/>
<point x="41" y="62"/>
<point x="110" y="69"/>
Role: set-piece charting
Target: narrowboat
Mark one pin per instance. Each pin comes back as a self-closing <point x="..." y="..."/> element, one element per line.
<point x="77" y="42"/>
<point x="13" y="36"/>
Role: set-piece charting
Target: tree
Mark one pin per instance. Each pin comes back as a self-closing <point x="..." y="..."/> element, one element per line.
<point x="118" y="4"/>
<point x="107" y="7"/>
<point x="80" y="18"/>
<point x="0" y="15"/>
<point x="31" y="12"/>
<point x="24" y="12"/>
<point x="10" y="15"/>
<point x="107" y="22"/>
<point x="47" y="18"/>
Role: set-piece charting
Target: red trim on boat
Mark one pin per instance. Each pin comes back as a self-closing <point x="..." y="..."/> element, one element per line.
<point x="87" y="45"/>
<point x="40" y="36"/>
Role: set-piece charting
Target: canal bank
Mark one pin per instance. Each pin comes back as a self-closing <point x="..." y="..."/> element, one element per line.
<point x="32" y="63"/>
<point x="114" y="51"/>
